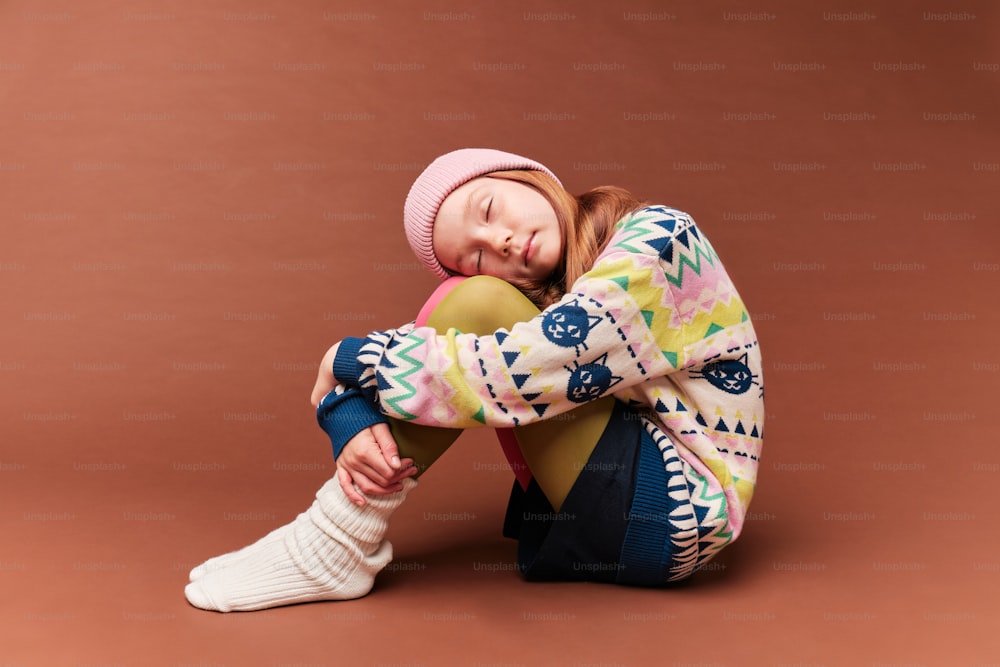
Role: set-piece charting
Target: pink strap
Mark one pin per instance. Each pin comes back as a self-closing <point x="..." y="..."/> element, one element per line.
<point x="443" y="290"/>
<point x="508" y="442"/>
<point x="515" y="458"/>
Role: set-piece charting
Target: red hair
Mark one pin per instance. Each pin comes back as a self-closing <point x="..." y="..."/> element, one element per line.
<point x="587" y="222"/>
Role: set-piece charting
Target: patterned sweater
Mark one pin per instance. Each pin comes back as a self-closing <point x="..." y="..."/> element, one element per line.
<point x="656" y="322"/>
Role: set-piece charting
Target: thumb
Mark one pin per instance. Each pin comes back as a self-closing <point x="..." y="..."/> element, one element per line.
<point x="386" y="444"/>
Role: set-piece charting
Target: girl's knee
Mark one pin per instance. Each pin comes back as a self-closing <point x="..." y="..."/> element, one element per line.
<point x="477" y="304"/>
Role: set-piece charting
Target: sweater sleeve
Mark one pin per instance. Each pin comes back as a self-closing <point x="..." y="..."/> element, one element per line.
<point x="595" y="341"/>
<point x="343" y="413"/>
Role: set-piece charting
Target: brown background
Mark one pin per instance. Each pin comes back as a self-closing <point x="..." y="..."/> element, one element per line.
<point x="198" y="198"/>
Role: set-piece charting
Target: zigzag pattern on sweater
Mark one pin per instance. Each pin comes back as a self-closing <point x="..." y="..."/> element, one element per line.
<point x="712" y="512"/>
<point x="673" y="236"/>
<point x="657" y="323"/>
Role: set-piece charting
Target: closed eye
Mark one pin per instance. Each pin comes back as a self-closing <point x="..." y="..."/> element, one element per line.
<point x="486" y="218"/>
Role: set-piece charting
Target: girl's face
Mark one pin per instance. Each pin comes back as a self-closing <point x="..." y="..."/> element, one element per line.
<point x="496" y="227"/>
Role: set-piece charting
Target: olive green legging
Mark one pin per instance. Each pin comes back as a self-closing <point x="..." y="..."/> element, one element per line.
<point x="556" y="450"/>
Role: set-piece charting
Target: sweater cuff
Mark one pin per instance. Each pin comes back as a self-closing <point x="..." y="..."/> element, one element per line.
<point x="345" y="415"/>
<point x="345" y="364"/>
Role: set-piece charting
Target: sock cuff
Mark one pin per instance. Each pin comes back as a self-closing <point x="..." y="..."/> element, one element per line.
<point x="366" y="524"/>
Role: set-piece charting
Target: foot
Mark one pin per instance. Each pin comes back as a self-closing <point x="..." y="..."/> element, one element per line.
<point x="332" y="551"/>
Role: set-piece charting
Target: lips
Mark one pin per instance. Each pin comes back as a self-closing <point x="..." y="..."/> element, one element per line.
<point x="528" y="248"/>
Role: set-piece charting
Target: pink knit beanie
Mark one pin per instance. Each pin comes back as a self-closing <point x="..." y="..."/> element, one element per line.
<point x="438" y="180"/>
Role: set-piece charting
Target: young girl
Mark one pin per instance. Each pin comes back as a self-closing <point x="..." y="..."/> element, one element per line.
<point x="630" y="406"/>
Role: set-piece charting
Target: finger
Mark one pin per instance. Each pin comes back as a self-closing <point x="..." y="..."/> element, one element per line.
<point x="369" y="455"/>
<point x="391" y="481"/>
<point x="396" y="481"/>
<point x="347" y="484"/>
<point x="371" y="481"/>
<point x="405" y="472"/>
<point x="373" y="488"/>
<point x="371" y="475"/>
<point x="384" y="490"/>
<point x="368" y="463"/>
<point x="390" y="452"/>
<point x="407" y="468"/>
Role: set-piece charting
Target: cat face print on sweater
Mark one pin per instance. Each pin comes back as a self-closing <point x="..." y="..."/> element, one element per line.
<point x="569" y="325"/>
<point x="591" y="380"/>
<point x="732" y="376"/>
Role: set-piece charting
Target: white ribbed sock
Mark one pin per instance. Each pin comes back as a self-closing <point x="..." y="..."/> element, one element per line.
<point x="332" y="551"/>
<point x="276" y="535"/>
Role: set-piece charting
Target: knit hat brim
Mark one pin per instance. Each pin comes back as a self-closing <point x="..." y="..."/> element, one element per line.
<point x="440" y="179"/>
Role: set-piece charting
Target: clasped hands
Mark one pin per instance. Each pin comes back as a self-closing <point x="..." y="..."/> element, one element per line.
<point x="369" y="463"/>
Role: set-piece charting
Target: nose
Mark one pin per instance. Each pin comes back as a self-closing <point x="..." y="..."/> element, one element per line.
<point x="499" y="239"/>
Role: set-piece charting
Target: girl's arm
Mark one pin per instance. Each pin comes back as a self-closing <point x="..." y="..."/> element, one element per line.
<point x="367" y="456"/>
<point x="616" y="328"/>
<point x="325" y="382"/>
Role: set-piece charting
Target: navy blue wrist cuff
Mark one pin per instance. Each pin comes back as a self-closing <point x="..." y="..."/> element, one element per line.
<point x="345" y="364"/>
<point x="344" y="415"/>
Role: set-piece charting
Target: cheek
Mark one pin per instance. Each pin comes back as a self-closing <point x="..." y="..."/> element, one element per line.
<point x="446" y="253"/>
<point x="553" y="257"/>
<point x="556" y="232"/>
<point x="556" y="244"/>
